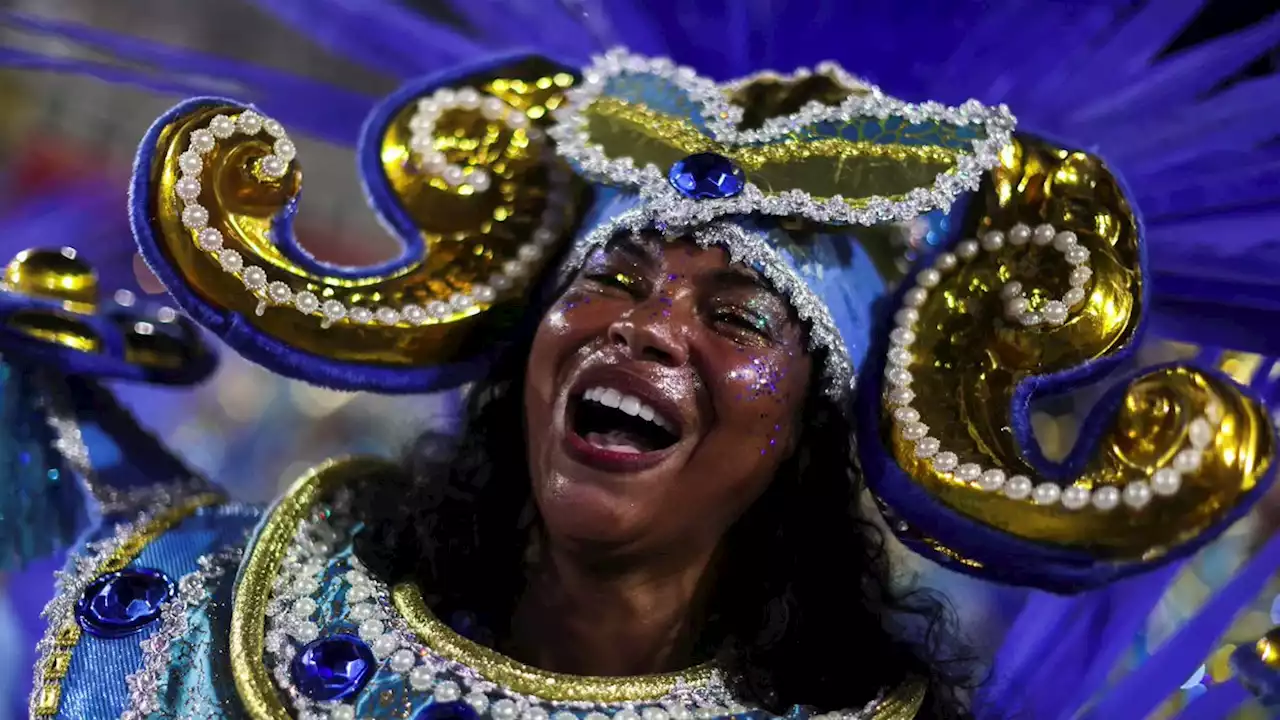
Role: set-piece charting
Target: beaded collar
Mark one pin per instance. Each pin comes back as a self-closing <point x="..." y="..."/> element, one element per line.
<point x="313" y="626"/>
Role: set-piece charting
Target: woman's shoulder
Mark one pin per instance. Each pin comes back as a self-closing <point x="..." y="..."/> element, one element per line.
<point x="147" y="590"/>
<point x="157" y="606"/>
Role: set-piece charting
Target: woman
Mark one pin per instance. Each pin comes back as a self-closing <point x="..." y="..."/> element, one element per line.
<point x="680" y="465"/>
<point x="681" y="403"/>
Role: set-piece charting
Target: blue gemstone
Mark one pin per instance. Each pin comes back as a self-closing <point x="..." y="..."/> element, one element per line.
<point x="448" y="711"/>
<point x="122" y="603"/>
<point x="707" y="176"/>
<point x="333" y="668"/>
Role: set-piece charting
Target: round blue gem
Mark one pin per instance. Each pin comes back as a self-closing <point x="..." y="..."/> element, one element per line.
<point x="456" y="710"/>
<point x="124" y="602"/>
<point x="707" y="176"/>
<point x="333" y="668"/>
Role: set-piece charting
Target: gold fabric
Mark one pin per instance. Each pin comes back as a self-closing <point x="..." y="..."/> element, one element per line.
<point x="263" y="564"/>
<point x="854" y="169"/>
<point x="468" y="236"/>
<point x="969" y="359"/>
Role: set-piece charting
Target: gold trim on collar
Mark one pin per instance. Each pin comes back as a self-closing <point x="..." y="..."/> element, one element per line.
<point x="528" y="680"/>
<point x="262" y="566"/>
<point x="266" y="554"/>
<point x="55" y="666"/>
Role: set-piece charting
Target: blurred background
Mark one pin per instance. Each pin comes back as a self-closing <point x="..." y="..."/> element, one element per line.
<point x="68" y="142"/>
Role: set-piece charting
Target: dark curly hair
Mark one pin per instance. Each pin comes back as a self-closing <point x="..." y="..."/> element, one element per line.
<point x="801" y="601"/>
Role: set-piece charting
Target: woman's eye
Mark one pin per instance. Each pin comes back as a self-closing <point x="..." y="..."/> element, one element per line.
<point x="619" y="280"/>
<point x="744" y="321"/>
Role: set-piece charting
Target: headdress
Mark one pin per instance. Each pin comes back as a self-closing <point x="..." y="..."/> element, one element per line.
<point x="1031" y="282"/>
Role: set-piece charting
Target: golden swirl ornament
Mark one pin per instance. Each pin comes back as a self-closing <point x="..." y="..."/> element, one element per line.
<point x="1051" y="283"/>
<point x="464" y="176"/>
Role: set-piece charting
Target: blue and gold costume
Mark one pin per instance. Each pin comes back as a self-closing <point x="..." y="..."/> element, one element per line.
<point x="952" y="270"/>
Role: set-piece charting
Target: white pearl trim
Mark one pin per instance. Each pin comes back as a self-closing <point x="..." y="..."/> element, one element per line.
<point x="294" y="611"/>
<point x="195" y="218"/>
<point x="665" y="204"/>
<point x="1136" y="494"/>
<point x="1054" y="312"/>
<point x="422" y="128"/>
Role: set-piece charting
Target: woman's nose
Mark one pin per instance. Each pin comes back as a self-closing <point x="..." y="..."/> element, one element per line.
<point x="655" y="331"/>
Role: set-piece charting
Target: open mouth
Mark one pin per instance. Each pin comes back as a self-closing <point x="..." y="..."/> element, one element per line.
<point x="609" y="420"/>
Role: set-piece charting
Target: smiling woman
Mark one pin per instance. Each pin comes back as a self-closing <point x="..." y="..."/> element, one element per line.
<point x="640" y="488"/>
<point x="716" y="333"/>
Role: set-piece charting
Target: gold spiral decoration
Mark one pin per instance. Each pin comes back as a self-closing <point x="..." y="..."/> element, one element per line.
<point x="467" y="235"/>
<point x="969" y="359"/>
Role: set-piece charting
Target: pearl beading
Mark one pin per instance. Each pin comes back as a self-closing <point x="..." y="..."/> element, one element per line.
<point x="422" y="127"/>
<point x="294" y="614"/>
<point x="195" y="218"/>
<point x="1017" y="305"/>
<point x="666" y="205"/>
<point x="194" y="589"/>
<point x="1136" y="494"/>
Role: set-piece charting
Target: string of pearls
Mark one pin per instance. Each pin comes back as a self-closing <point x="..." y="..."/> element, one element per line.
<point x="422" y="130"/>
<point x="195" y="218"/>
<point x="1165" y="481"/>
<point x="1054" y="312"/>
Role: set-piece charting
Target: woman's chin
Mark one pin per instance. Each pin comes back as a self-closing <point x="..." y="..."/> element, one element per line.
<point x="589" y="513"/>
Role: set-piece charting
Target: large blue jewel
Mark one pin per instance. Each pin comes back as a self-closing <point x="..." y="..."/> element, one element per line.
<point x="456" y="710"/>
<point x="122" y="603"/>
<point x="333" y="668"/>
<point x="707" y="176"/>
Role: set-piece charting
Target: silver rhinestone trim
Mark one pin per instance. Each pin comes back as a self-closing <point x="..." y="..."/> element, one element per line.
<point x="297" y="615"/>
<point x="194" y="589"/>
<point x="69" y="442"/>
<point x="722" y="117"/>
<point x="81" y="570"/>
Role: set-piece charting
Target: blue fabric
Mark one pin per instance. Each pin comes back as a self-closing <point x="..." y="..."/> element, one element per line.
<point x="109" y="325"/>
<point x="1139" y="693"/>
<point x="42" y="506"/>
<point x="84" y="695"/>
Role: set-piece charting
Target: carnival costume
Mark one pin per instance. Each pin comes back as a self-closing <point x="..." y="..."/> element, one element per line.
<point x="949" y="267"/>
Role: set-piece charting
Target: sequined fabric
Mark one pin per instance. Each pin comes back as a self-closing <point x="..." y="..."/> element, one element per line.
<point x="94" y="687"/>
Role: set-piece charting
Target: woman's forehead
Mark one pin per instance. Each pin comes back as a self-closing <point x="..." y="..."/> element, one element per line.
<point x="653" y="249"/>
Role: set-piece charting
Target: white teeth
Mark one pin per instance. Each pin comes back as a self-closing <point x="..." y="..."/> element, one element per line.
<point x="628" y="404"/>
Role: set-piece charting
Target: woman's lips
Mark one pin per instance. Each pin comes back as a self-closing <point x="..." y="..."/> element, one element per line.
<point x="624" y="392"/>
<point x="609" y="460"/>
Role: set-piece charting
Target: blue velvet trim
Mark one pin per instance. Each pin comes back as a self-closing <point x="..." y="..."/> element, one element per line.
<point x="1006" y="558"/>
<point x="109" y="324"/>
<point x="237" y="332"/>
<point x="377" y="188"/>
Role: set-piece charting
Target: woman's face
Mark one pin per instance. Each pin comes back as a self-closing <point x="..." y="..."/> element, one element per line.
<point x="663" y="390"/>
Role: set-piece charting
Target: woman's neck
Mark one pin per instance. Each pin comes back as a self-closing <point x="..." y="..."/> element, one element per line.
<point x="608" y="618"/>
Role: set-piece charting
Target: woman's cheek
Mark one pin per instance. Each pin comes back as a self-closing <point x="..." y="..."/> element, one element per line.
<point x="761" y="397"/>
<point x="562" y="317"/>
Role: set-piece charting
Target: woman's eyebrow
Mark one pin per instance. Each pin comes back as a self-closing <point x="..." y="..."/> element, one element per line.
<point x="637" y="249"/>
<point x="735" y="277"/>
